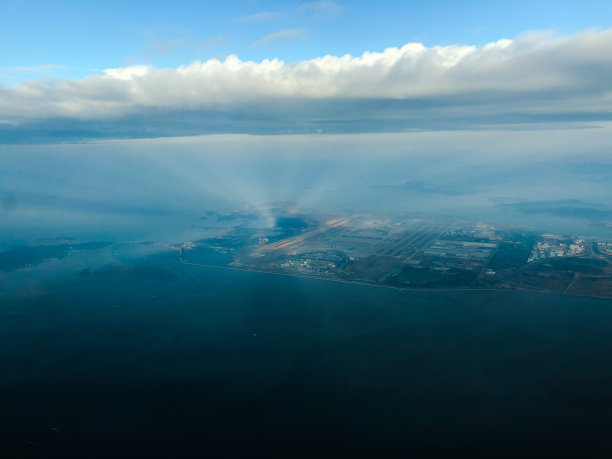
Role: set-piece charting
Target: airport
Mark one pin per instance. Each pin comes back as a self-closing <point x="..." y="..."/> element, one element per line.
<point x="415" y="251"/>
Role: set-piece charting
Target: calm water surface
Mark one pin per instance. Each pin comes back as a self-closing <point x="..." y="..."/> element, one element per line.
<point x="147" y="361"/>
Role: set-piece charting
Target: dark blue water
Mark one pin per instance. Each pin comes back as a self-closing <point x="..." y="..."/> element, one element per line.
<point x="233" y="364"/>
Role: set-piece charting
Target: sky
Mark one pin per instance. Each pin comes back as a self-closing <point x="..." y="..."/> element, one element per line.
<point x="75" y="70"/>
<point x="78" y="38"/>
<point x="147" y="108"/>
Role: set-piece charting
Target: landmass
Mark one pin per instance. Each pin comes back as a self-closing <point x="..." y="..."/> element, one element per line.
<point x="409" y="251"/>
<point x="413" y="252"/>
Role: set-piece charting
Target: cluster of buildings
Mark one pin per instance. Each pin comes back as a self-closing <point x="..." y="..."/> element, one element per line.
<point x="604" y="248"/>
<point x="557" y="247"/>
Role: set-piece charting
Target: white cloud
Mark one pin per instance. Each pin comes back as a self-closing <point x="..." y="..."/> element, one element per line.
<point x="15" y="74"/>
<point x="279" y="34"/>
<point x="127" y="73"/>
<point x="546" y="73"/>
<point x="167" y="46"/>
<point x="321" y="7"/>
<point x="43" y="68"/>
<point x="258" y="17"/>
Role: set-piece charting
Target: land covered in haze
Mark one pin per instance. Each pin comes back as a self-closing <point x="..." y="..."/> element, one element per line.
<point x="413" y="252"/>
<point x="406" y="251"/>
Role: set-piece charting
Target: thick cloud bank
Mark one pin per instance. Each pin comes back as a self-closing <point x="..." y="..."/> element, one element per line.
<point x="535" y="76"/>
